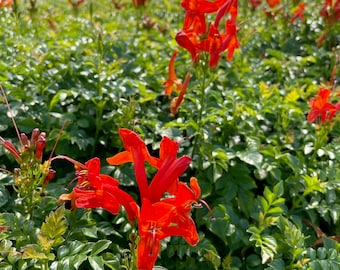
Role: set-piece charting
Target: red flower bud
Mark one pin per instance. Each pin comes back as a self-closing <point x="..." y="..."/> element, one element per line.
<point x="24" y="140"/>
<point x="41" y="143"/>
<point x="51" y="174"/>
<point x="9" y="146"/>
<point x="34" y="136"/>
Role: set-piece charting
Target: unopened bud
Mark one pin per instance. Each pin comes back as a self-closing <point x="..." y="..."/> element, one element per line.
<point x="41" y="143"/>
<point x="9" y="146"/>
<point x="24" y="141"/>
<point x="51" y="174"/>
<point x="34" y="136"/>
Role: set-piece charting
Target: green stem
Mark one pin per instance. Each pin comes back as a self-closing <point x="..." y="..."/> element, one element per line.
<point x="201" y="72"/>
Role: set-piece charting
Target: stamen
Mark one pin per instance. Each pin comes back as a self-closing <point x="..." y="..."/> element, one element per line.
<point x="72" y="181"/>
<point x="153" y="231"/>
<point x="76" y="163"/>
<point x="199" y="205"/>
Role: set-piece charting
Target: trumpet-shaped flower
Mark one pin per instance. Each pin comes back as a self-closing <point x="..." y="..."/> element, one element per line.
<point x="273" y="3"/>
<point x="172" y="80"/>
<point x="321" y="108"/>
<point x="168" y="217"/>
<point x="331" y="11"/>
<point x="298" y="13"/>
<point x="177" y="101"/>
<point x="136" y="152"/>
<point x="96" y="190"/>
<point x="169" y="166"/>
<point x="195" y="13"/>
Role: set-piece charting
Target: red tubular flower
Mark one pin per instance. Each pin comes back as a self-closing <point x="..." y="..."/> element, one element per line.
<point x="98" y="190"/>
<point x="230" y="41"/>
<point x="187" y="40"/>
<point x="151" y="222"/>
<point x="320" y="107"/>
<point x="136" y="152"/>
<point x="273" y="3"/>
<point x="167" y="176"/>
<point x="331" y="12"/>
<point x="255" y="3"/>
<point x="172" y="78"/>
<point x="298" y="13"/>
<point x="177" y="101"/>
<point x="212" y="45"/>
<point x="230" y="6"/>
<point x="169" y="217"/>
<point x="181" y="222"/>
<point x="169" y="166"/>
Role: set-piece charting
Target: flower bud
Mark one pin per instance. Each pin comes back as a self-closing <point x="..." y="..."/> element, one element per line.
<point x="34" y="136"/>
<point x="51" y="174"/>
<point x="24" y="141"/>
<point x="41" y="143"/>
<point x="9" y="146"/>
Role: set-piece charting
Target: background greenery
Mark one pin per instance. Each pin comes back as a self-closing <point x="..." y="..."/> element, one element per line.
<point x="271" y="178"/>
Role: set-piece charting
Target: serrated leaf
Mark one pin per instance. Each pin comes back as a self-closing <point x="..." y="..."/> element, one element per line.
<point x="268" y="248"/>
<point x="54" y="226"/>
<point x="33" y="251"/>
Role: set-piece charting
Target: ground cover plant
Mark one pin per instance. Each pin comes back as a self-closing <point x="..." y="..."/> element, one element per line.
<point x="169" y="134"/>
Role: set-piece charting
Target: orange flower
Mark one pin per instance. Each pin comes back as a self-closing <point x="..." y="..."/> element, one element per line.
<point x="168" y="217"/>
<point x="273" y="3"/>
<point x="6" y="3"/>
<point x="169" y="166"/>
<point x="298" y="13"/>
<point x="172" y="78"/>
<point x="331" y="12"/>
<point x="255" y="3"/>
<point x="320" y="107"/>
<point x="177" y="101"/>
<point x="95" y="190"/>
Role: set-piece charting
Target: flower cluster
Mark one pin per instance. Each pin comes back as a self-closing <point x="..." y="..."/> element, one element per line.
<point x="33" y="174"/>
<point x="197" y="36"/>
<point x="331" y="11"/>
<point x="158" y="216"/>
<point x="321" y="108"/>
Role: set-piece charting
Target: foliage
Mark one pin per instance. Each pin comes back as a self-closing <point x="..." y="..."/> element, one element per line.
<point x="271" y="178"/>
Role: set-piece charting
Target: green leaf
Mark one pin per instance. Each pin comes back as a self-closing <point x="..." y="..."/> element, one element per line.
<point x="33" y="251"/>
<point x="100" y="246"/>
<point x="96" y="262"/>
<point x="220" y="225"/>
<point x="54" y="226"/>
<point x="4" y="196"/>
<point x="251" y="157"/>
<point x="268" y="248"/>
